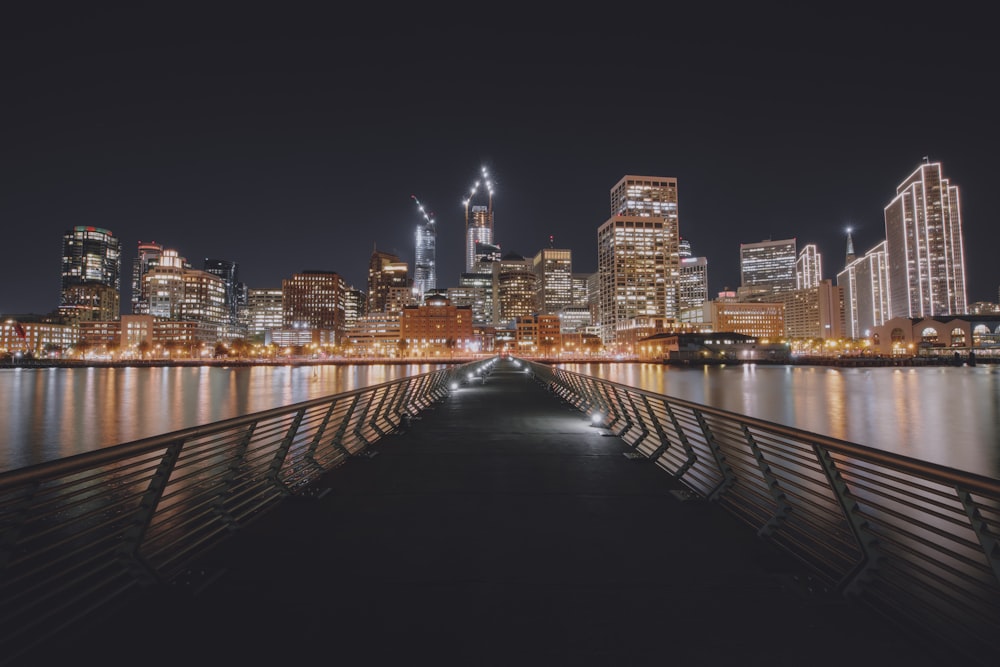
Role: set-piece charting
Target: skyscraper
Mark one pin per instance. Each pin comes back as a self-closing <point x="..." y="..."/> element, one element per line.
<point x="638" y="257"/>
<point x="478" y="219"/>
<point x="924" y="248"/>
<point x="424" y="265"/>
<point x="91" y="275"/>
<point x="865" y="284"/>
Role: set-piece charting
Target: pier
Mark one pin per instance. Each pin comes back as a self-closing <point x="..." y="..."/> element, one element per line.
<point x="499" y="526"/>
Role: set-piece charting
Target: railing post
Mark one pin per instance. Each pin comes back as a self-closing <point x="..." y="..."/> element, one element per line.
<point x="314" y="445"/>
<point x="773" y="485"/>
<point x="373" y="422"/>
<point x="854" y="581"/>
<point x="280" y="454"/>
<point x="660" y="433"/>
<point x="338" y="438"/>
<point x="989" y="543"/>
<point x="133" y="536"/>
<point x="728" y="476"/>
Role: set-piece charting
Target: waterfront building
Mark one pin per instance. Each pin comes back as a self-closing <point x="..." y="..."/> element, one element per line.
<point x="808" y="267"/>
<point x="554" y="286"/>
<point x="478" y="219"/>
<point x="436" y="328"/>
<point x="865" y="286"/>
<point x="91" y="274"/>
<point x="374" y="335"/>
<point x="766" y="267"/>
<point x="939" y="335"/>
<point x="143" y="336"/>
<point x="813" y="312"/>
<point x="38" y="335"/>
<point x="538" y="335"/>
<point x="574" y="319"/>
<point x="315" y="300"/>
<point x="924" y="246"/>
<point x="633" y="332"/>
<point x="711" y="347"/>
<point x="638" y="255"/>
<point x="763" y="320"/>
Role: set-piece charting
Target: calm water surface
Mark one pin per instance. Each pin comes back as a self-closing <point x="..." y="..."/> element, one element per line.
<point x="946" y="415"/>
<point x="51" y="413"/>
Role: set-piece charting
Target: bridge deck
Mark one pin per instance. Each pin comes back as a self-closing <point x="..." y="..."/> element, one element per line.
<point x="500" y="528"/>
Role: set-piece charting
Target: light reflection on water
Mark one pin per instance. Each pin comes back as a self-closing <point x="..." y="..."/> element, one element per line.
<point x="942" y="414"/>
<point x="51" y="413"/>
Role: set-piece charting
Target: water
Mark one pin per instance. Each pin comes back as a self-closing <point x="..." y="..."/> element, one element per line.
<point x="945" y="415"/>
<point x="51" y="413"/>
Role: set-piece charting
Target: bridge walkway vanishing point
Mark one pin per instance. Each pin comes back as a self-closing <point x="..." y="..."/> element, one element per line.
<point x="499" y="528"/>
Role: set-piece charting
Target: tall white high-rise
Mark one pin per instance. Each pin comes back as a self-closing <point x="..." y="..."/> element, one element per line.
<point x="924" y="248"/>
<point x="478" y="219"/>
<point x="424" y="265"/>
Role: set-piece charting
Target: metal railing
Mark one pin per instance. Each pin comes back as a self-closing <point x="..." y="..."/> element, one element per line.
<point x="84" y="531"/>
<point x="917" y="542"/>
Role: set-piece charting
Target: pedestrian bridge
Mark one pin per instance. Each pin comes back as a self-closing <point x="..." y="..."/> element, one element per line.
<point x="496" y="513"/>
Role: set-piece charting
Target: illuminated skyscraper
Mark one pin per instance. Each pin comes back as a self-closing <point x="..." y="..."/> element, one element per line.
<point x="924" y="248"/>
<point x="478" y="219"/>
<point x="425" y="261"/>
<point x="865" y="285"/>
<point x="91" y="274"/>
<point x="638" y="257"/>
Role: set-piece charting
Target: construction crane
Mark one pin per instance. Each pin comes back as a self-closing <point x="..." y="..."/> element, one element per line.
<point x="429" y="217"/>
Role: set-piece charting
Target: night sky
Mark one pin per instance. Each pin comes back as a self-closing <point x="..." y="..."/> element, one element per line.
<point x="288" y="139"/>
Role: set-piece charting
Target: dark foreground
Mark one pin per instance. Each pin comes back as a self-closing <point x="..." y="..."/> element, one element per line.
<point x="499" y="529"/>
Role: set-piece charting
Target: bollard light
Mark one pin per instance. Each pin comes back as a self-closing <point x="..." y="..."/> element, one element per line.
<point x="596" y="418"/>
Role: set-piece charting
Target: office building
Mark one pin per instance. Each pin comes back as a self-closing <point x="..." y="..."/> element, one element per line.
<point x="554" y="288"/>
<point x="387" y="277"/>
<point x="314" y="300"/>
<point x="865" y="286"/>
<point x="766" y="267"/>
<point x="638" y="256"/>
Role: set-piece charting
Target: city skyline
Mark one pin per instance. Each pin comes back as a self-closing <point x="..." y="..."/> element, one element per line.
<point x="273" y="146"/>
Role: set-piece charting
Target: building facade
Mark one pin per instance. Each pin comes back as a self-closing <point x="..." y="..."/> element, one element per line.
<point x="91" y="274"/>
<point x="638" y="255"/>
<point x="766" y="267"/>
<point x="924" y="246"/>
